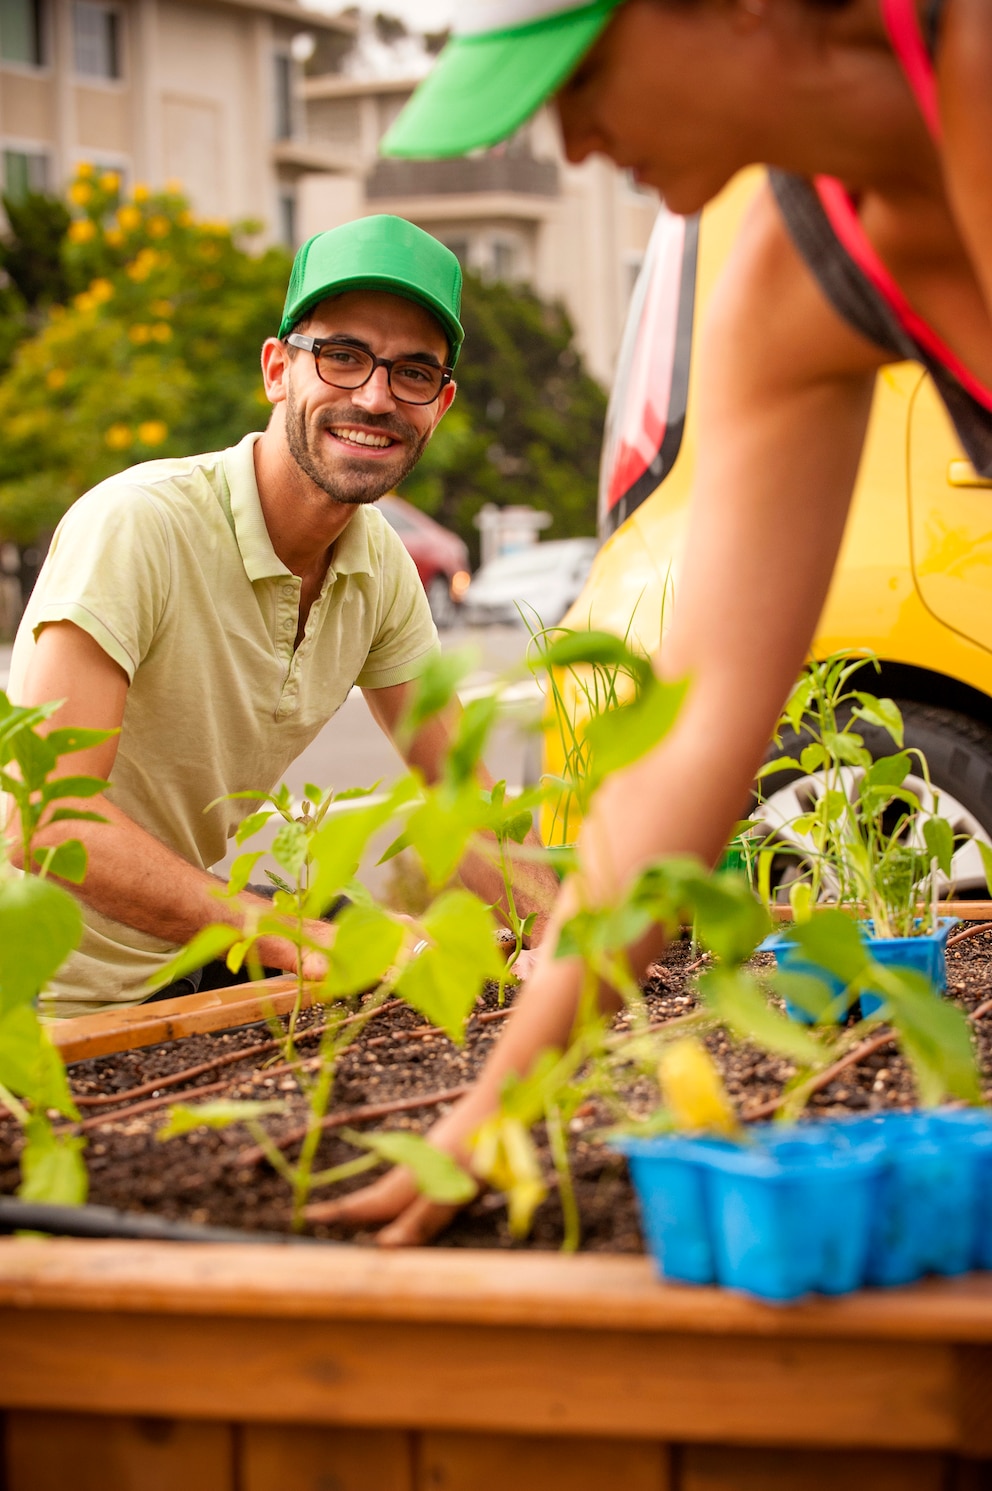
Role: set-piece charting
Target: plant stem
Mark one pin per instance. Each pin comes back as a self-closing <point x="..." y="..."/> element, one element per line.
<point x="559" y="1154"/>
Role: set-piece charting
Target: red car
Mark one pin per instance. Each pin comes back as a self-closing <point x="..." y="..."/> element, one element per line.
<point x="440" y="556"/>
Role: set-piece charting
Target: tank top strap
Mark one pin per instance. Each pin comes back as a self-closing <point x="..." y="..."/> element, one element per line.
<point x="906" y="35"/>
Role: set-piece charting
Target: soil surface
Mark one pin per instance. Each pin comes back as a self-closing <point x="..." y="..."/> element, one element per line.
<point x="211" y="1176"/>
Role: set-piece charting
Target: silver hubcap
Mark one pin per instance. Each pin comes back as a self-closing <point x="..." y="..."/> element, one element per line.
<point x="775" y="822"/>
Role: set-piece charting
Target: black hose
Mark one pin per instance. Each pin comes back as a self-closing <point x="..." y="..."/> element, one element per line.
<point x="105" y="1221"/>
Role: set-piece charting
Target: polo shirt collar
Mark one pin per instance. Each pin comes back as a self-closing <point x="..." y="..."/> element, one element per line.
<point x="352" y="553"/>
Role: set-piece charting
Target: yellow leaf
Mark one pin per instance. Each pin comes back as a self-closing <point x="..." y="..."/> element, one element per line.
<point x="693" y="1091"/>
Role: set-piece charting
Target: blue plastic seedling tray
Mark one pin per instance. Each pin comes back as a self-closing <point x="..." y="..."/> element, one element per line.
<point x="824" y="1206"/>
<point x="926" y="954"/>
<point x="780" y="1217"/>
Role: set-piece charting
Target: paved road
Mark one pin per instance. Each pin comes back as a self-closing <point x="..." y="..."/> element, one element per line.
<point x="351" y="750"/>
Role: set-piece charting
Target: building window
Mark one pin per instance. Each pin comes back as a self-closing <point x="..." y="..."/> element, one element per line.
<point x="284" y="96"/>
<point x="97" y="35"/>
<point x="287" y="220"/>
<point x="503" y="260"/>
<point x="21" y="32"/>
<point x="24" y="171"/>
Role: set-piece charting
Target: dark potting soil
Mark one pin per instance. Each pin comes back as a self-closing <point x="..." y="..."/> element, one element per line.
<point x="211" y="1177"/>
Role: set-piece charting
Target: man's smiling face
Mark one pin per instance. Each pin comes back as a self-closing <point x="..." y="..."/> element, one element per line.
<point x="357" y="444"/>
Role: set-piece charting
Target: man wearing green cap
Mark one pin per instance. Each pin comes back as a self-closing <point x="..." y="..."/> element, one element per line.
<point x="218" y="609"/>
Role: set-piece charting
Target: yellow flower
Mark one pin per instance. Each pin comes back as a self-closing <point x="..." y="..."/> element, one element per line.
<point x="161" y="308"/>
<point x="208" y="250"/>
<point x="139" y="334"/>
<point x="184" y="219"/>
<point x="84" y="169"/>
<point x="101" y="291"/>
<point x="141" y="192"/>
<point x="118" y="437"/>
<point x="162" y="331"/>
<point x="138" y="270"/>
<point x="128" y="218"/>
<point x="84" y="302"/>
<point x="110" y="181"/>
<point x="158" y="226"/>
<point x="152" y="432"/>
<point x="82" y="230"/>
<point x="114" y="237"/>
<point x="80" y="192"/>
<point x="55" y="378"/>
<point x="693" y="1090"/>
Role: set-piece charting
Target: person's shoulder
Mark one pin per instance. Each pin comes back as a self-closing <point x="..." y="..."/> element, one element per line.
<point x="169" y="484"/>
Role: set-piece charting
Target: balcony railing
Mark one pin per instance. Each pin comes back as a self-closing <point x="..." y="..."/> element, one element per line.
<point x="487" y="173"/>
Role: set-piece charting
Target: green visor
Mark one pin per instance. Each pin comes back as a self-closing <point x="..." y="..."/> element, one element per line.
<point x="487" y="83"/>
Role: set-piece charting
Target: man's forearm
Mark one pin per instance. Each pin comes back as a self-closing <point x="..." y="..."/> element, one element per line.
<point x="133" y="878"/>
<point x="534" y="885"/>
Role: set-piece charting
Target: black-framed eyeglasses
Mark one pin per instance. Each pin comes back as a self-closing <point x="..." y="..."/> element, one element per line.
<point x="344" y="366"/>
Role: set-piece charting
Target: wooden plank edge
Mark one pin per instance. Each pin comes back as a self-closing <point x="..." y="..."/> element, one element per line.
<point x="460" y="1286"/>
<point x="966" y="911"/>
<point x="130" y="1029"/>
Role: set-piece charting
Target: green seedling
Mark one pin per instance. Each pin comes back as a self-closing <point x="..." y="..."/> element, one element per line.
<point x="868" y="839"/>
<point x="40" y="925"/>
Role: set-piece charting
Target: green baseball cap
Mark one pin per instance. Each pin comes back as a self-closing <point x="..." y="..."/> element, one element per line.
<point x="504" y="59"/>
<point x="378" y="253"/>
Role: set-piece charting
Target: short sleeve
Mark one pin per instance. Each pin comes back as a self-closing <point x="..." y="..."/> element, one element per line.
<point x="406" y="637"/>
<point x="109" y="571"/>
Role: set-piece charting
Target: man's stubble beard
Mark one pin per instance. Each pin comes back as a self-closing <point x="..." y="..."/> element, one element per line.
<point x="363" y="484"/>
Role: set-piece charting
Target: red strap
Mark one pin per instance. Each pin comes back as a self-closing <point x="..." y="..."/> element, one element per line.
<point x="903" y="25"/>
<point x="846" y="224"/>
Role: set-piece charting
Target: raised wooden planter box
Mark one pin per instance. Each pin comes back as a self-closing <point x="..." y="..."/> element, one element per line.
<point x="139" y="1366"/>
<point x="131" y="1366"/>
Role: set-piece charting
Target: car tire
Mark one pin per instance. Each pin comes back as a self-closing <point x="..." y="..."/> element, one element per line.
<point x="443" y="608"/>
<point x="958" y="751"/>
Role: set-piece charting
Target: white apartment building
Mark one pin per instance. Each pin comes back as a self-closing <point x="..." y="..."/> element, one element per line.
<point x="201" y="92"/>
<point x="518" y="212"/>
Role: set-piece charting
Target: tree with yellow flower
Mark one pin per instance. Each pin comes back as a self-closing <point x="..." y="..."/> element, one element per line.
<point x="148" y="346"/>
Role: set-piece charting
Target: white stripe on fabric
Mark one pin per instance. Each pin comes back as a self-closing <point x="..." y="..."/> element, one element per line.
<point x="502" y="15"/>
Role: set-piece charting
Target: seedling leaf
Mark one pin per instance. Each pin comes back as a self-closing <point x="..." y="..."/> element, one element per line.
<point x="438" y="1176"/>
<point x="185" y="1117"/>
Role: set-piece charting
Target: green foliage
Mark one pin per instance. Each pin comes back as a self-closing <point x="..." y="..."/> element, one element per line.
<point x="439" y="964"/>
<point x="147" y="345"/>
<point x="185" y="1117"/>
<point x="527" y="422"/>
<point x="437" y="1174"/>
<point x="40" y="925"/>
<point x="868" y="840"/>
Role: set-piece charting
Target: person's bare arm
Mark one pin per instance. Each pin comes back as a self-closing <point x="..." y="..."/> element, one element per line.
<point x="964" y="70"/>
<point x="785" y="391"/>
<point x="534" y="884"/>
<point x="131" y="876"/>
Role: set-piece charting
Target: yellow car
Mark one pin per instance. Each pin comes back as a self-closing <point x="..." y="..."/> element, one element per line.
<point x="914" y="579"/>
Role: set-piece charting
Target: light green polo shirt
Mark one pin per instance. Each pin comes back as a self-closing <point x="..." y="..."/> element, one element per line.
<point x="169" y="567"/>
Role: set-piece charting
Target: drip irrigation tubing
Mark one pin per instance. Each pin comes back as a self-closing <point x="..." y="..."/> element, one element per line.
<point x="107" y="1222"/>
<point x="254" y="1156"/>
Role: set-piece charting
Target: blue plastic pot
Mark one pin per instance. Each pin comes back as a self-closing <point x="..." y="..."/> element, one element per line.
<point x="926" y="954"/>
<point x="783" y="1216"/>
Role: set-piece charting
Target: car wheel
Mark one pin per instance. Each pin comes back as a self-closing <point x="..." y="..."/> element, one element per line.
<point x="958" y="751"/>
<point x="443" y="608"/>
